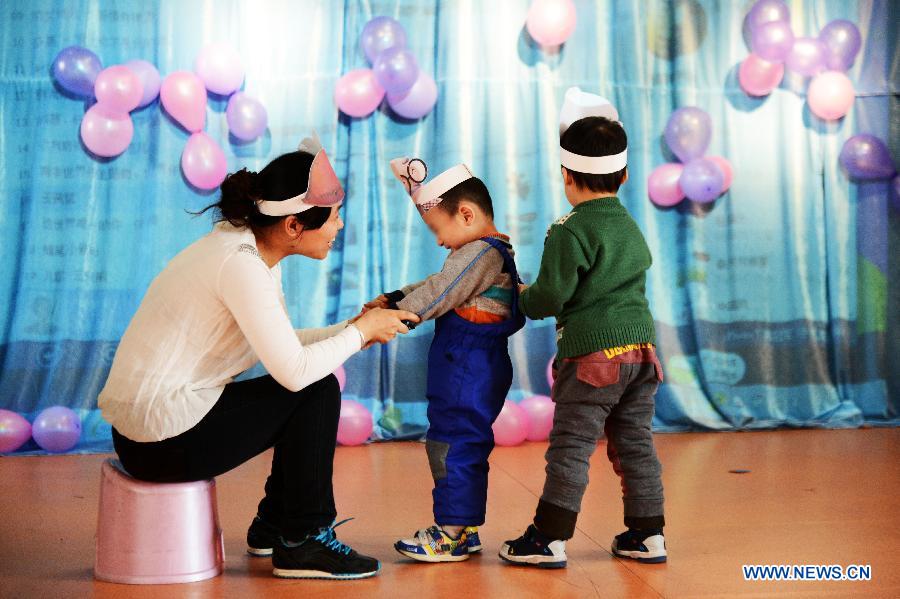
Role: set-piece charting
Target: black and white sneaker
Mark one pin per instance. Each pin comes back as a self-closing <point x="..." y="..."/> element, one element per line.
<point x="535" y="549"/>
<point x="647" y="546"/>
<point x="322" y="556"/>
<point x="261" y="537"/>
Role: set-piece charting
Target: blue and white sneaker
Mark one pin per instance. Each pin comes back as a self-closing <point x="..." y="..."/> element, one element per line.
<point x="473" y="541"/>
<point x="641" y="546"/>
<point x="434" y="545"/>
<point x="535" y="549"/>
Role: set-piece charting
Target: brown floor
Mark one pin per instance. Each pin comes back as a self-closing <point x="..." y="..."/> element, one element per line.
<point x="812" y="497"/>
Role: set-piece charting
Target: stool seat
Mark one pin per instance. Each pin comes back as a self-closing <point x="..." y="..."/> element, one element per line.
<point x="156" y="533"/>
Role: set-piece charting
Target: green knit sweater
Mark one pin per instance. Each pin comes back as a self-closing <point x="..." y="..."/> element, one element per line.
<point x="592" y="279"/>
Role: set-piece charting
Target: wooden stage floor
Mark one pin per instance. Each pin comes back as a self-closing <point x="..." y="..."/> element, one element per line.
<point x="812" y="497"/>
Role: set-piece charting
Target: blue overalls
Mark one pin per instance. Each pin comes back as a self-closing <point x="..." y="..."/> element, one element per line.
<point x="469" y="375"/>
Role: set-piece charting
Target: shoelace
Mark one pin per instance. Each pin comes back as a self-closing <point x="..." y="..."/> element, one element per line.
<point x="327" y="537"/>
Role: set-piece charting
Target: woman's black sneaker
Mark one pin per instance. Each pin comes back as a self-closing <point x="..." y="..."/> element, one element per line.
<point x="535" y="549"/>
<point x="261" y="537"/>
<point x="321" y="556"/>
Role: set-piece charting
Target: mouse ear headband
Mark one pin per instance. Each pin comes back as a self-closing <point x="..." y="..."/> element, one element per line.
<point x="323" y="190"/>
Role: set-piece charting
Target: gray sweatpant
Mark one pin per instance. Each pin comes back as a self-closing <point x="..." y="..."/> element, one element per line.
<point x="594" y="395"/>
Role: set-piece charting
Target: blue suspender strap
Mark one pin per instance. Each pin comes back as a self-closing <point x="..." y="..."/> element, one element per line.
<point x="510" y="267"/>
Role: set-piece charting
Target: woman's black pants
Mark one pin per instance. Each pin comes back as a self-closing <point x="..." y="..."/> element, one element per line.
<point x="250" y="417"/>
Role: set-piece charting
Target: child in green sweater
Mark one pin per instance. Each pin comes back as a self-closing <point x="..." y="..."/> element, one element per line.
<point x="592" y="279"/>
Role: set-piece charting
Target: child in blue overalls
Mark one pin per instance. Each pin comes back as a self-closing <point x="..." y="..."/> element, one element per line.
<point x="475" y="301"/>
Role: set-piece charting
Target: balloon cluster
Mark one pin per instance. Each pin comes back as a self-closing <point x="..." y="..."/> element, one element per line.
<point x="550" y="22"/>
<point x="824" y="58"/>
<point x="55" y="429"/>
<point x="700" y="178"/>
<point x="531" y="420"/>
<point x="107" y="129"/>
<point x="411" y="93"/>
<point x="867" y="158"/>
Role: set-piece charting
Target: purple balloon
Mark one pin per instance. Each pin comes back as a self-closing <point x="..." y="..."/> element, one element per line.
<point x="396" y="70"/>
<point x="766" y="11"/>
<point x="807" y="56"/>
<point x="688" y="132"/>
<point x="772" y="41"/>
<point x="247" y="117"/>
<point x="842" y="42"/>
<point x="418" y="101"/>
<point x="379" y="34"/>
<point x="702" y="180"/>
<point x="14" y="431"/>
<point x="57" y="429"/>
<point x="867" y="157"/>
<point x="75" y="69"/>
<point x="150" y="80"/>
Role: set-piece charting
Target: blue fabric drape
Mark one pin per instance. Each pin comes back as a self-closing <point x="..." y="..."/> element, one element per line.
<point x="775" y="306"/>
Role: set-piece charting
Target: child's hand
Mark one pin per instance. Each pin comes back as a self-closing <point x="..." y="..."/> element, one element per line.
<point x="379" y="302"/>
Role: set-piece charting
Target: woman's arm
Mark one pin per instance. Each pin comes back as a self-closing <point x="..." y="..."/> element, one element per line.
<point x="312" y="335"/>
<point x="251" y="294"/>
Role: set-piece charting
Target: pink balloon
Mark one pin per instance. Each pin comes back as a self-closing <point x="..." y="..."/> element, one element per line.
<point x="830" y="95"/>
<point x="540" y="409"/>
<point x="341" y="375"/>
<point x="511" y="426"/>
<point x="355" y="424"/>
<point x="14" y="431"/>
<point x="551" y="22"/>
<point x="118" y="88"/>
<point x="105" y="132"/>
<point x="759" y="77"/>
<point x="726" y="169"/>
<point x="203" y="162"/>
<point x="358" y="93"/>
<point x="220" y="68"/>
<point x="663" y="186"/>
<point x="184" y="97"/>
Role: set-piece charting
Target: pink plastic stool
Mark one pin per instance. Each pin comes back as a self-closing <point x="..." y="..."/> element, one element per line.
<point x="151" y="533"/>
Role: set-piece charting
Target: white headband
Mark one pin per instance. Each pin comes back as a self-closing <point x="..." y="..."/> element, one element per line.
<point x="578" y="105"/>
<point x="428" y="195"/>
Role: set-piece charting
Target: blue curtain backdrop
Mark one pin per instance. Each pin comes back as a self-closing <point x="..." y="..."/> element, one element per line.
<point x="776" y="306"/>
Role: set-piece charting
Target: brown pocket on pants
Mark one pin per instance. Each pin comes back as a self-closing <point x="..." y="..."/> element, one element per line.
<point x="598" y="374"/>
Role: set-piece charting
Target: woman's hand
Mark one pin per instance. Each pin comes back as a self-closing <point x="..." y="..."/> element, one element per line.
<point x="522" y="287"/>
<point x="380" y="326"/>
<point x="379" y="302"/>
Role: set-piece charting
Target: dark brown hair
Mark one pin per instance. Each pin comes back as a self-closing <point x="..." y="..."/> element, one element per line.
<point x="473" y="190"/>
<point x="283" y="178"/>
<point x="595" y="136"/>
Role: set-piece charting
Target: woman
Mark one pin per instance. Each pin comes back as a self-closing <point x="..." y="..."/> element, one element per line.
<point x="215" y="310"/>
